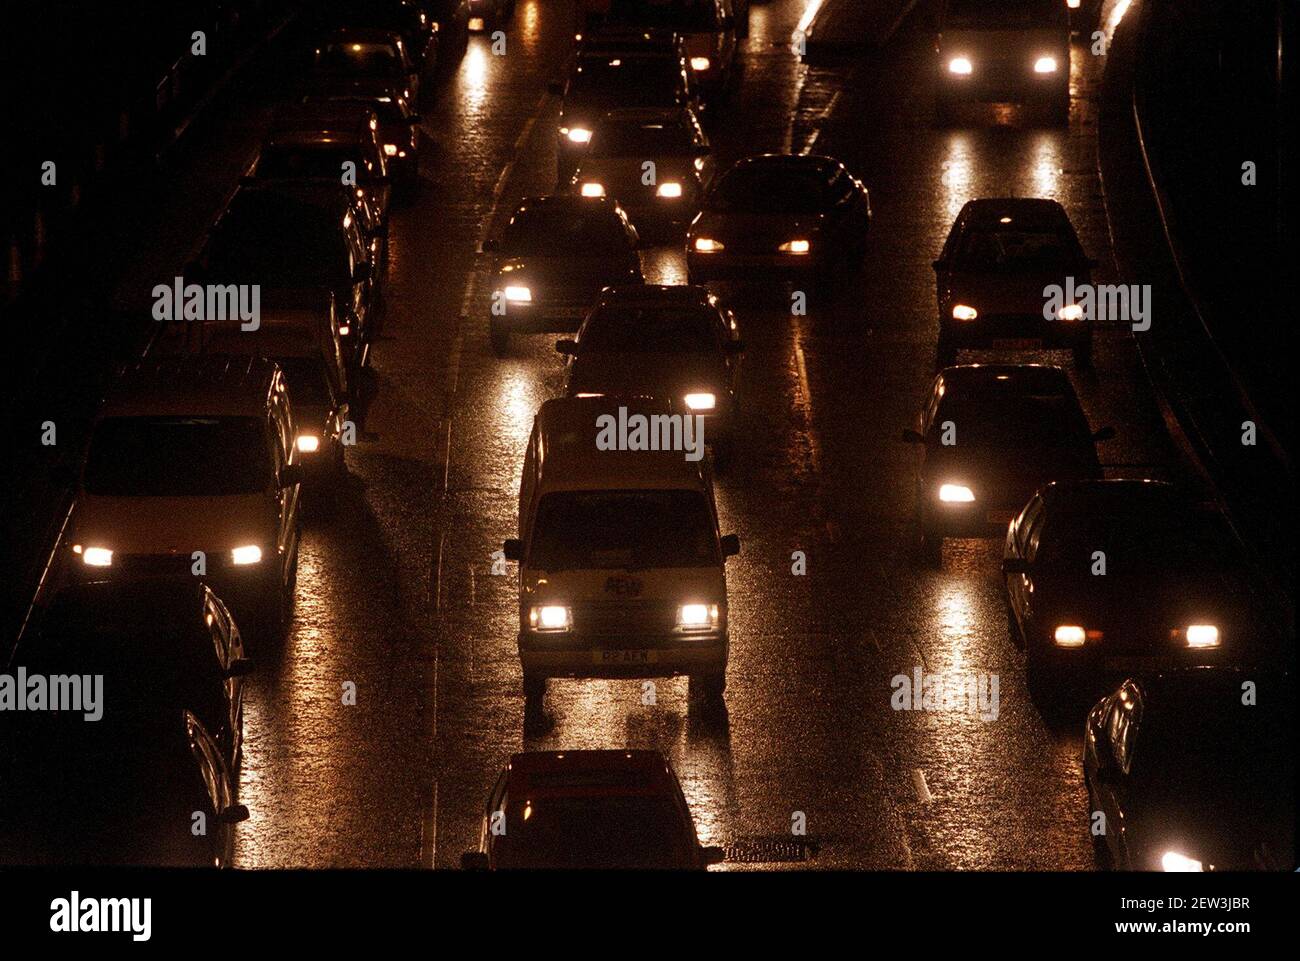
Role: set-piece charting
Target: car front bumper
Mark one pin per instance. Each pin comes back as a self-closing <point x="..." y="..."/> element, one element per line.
<point x="578" y="656"/>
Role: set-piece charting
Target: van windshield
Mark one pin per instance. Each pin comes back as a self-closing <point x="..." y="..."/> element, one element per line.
<point x="623" y="530"/>
<point x="177" y="457"/>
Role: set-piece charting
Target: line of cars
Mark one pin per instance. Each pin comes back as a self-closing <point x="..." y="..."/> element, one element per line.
<point x="181" y="555"/>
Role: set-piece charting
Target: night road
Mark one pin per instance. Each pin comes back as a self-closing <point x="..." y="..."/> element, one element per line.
<point x="374" y="732"/>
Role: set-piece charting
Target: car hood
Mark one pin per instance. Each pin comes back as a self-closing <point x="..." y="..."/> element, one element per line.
<point x="172" y="525"/>
<point x="673" y="375"/>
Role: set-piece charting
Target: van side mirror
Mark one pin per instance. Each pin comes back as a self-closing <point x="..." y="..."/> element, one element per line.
<point x="1104" y="433"/>
<point x="513" y="548"/>
<point x="1015" y="565"/>
<point x="567" y="347"/>
<point x="730" y="544"/>
<point x="474" y="861"/>
<point x="234" y="814"/>
<point x="912" y="436"/>
<point x="291" y="475"/>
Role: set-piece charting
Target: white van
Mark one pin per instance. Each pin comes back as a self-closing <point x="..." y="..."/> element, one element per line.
<point x="620" y="560"/>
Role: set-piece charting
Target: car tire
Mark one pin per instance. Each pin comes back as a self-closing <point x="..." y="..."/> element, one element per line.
<point x="1083" y="355"/>
<point x="534" y="689"/>
<point x="499" y="337"/>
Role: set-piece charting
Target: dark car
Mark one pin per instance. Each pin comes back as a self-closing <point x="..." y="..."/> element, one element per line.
<point x="987" y="437"/>
<point x="603" y="80"/>
<point x="132" y="789"/>
<point x="1004" y="51"/>
<point x="367" y="53"/>
<point x="589" y="809"/>
<point x="780" y="216"/>
<point x="708" y="27"/>
<point x="656" y="162"/>
<point x="1193" y="770"/>
<point x="553" y="258"/>
<point x="649" y="340"/>
<point x="993" y="278"/>
<point x="1110" y="578"/>
<point x="286" y="237"/>
<point x="491" y="14"/>
<point x="158" y="647"/>
<point x="409" y="18"/>
<point x="450" y="22"/>
<point x="399" y="126"/>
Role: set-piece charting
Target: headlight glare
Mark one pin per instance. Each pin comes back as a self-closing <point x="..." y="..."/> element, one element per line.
<point x="549" y="618"/>
<point x="955" y="494"/>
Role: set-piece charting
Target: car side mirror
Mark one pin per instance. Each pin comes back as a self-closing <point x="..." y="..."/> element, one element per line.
<point x="490" y="246"/>
<point x="1103" y="433"/>
<point x="291" y="475"/>
<point x="555" y="87"/>
<point x="730" y="545"/>
<point x="474" y="861"/>
<point x="712" y="854"/>
<point x="513" y="548"/>
<point x="912" y="436"/>
<point x="234" y="814"/>
<point x="1015" y="565"/>
<point x="567" y="347"/>
<point x="239" y="667"/>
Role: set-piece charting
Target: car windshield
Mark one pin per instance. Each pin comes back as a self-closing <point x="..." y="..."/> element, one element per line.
<point x="649" y="330"/>
<point x="1148" y="540"/>
<point x="564" y="232"/>
<point x="177" y="457"/>
<point x="1014" y="250"/>
<point x="1017" y="421"/>
<point x="1004" y="14"/>
<point x="623" y="530"/>
<point x="622" y="138"/>
<point x="626" y="81"/>
<point x="631" y="831"/>
<point x="324" y="160"/>
<point x="359" y="60"/>
<point x="772" y="189"/>
<point x="389" y="110"/>
<point x="683" y="16"/>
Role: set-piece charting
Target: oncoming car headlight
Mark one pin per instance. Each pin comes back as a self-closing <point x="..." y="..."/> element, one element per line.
<point x="1070" y="312"/>
<point x="960" y="66"/>
<point x="576" y="134"/>
<point x="390" y="150"/>
<point x="94" y="556"/>
<point x="308" y="443"/>
<point x="795" y="247"/>
<point x="707" y="245"/>
<point x="593" y="189"/>
<point x="1200" y="636"/>
<point x="955" y="494"/>
<point x="1045" y="65"/>
<point x="964" y="312"/>
<point x="1173" y="861"/>
<point x="549" y="618"/>
<point x="247" y="554"/>
<point x="518" y="295"/>
<point x="701" y="401"/>
<point x="697" y="617"/>
<point x="700" y="64"/>
<point x="671" y="189"/>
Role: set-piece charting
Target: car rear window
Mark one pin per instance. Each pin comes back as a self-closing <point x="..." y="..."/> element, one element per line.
<point x="623" y="530"/>
<point x="1015" y="250"/>
<point x="593" y="832"/>
<point x="627" y="81"/>
<point x="359" y="60"/>
<point x="177" y="457"/>
<point x="1012" y="421"/>
<point x="621" y="138"/>
<point x="556" y="231"/>
<point x="775" y="189"/>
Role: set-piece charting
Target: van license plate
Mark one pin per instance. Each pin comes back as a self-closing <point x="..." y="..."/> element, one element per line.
<point x="624" y="657"/>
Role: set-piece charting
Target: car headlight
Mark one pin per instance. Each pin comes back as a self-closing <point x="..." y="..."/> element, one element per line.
<point x="1070" y="312"/>
<point x="701" y="401"/>
<point x="960" y="66"/>
<point x="519" y="295"/>
<point x="1070" y="635"/>
<point x="577" y="134"/>
<point x="697" y="617"/>
<point x="795" y="247"/>
<point x="94" y="556"/>
<point x="248" y="554"/>
<point x="390" y="150"/>
<point x="1201" y="635"/>
<point x="955" y="494"/>
<point x="700" y="64"/>
<point x="308" y="443"/>
<point x="707" y="245"/>
<point x="1045" y="65"/>
<point x="593" y="189"/>
<point x="549" y="618"/>
<point x="964" y="312"/>
<point x="669" y="188"/>
<point x="1173" y="861"/>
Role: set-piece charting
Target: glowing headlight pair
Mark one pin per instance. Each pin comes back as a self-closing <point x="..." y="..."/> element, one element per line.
<point x="962" y="66"/>
<point x="103" y="557"/>
<point x="576" y="134"/>
<point x="1196" y="636"/>
<point x="670" y="189"/>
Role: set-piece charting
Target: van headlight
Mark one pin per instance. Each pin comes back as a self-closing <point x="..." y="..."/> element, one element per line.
<point x="701" y="401"/>
<point x="697" y="617"/>
<point x="247" y="554"/>
<point x="549" y="618"/>
<point x="94" y="556"/>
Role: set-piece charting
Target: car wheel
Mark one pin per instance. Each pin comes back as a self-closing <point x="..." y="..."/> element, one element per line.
<point x="534" y="689"/>
<point x="1083" y="355"/>
<point x="500" y="337"/>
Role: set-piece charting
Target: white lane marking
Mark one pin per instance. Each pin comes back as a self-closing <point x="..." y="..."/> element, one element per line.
<point x="814" y="447"/>
<point x="922" y="789"/>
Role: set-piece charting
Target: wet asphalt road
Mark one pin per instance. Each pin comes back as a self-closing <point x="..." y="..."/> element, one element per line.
<point x="395" y="589"/>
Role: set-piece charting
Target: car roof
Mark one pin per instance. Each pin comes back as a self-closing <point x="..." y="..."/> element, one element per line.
<point x="1111" y="494"/>
<point x="209" y="385"/>
<point x="566" y="428"/>
<point x="818" y="162"/>
<point x="982" y="379"/>
<point x="669" y="295"/>
<point x="287" y="196"/>
<point x="539" y="773"/>
<point x="361" y="35"/>
<point x="1028" y="212"/>
<point x="322" y="134"/>
<point x="370" y="88"/>
<point x="643" y="115"/>
<point x="322" y="114"/>
<point x="565" y="202"/>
